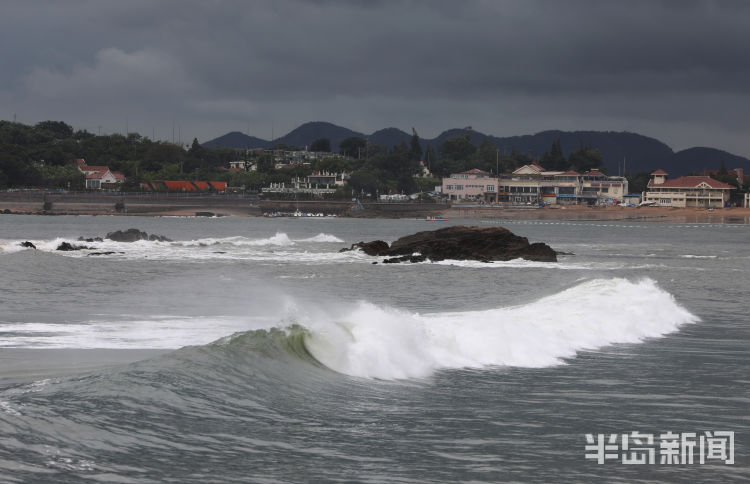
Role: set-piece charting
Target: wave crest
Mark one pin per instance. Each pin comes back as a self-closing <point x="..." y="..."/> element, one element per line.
<point x="376" y="342"/>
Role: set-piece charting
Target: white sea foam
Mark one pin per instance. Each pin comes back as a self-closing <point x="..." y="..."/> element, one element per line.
<point x="238" y="247"/>
<point x="11" y="246"/>
<point x="321" y="237"/>
<point x="377" y="342"/>
<point x="528" y="264"/>
<point x="156" y="332"/>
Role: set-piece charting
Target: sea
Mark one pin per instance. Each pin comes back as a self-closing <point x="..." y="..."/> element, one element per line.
<point x="254" y="350"/>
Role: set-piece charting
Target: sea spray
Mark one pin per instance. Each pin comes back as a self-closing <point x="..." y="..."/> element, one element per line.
<point x="376" y="342"/>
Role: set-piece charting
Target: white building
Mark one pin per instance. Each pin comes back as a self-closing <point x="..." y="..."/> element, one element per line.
<point x="686" y="191"/>
<point x="532" y="185"/>
<point x="100" y="177"/>
<point x="468" y="185"/>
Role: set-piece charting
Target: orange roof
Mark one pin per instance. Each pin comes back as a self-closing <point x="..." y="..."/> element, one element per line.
<point x="660" y="172"/>
<point x="220" y="186"/>
<point x="95" y="173"/>
<point x="202" y="185"/>
<point x="179" y="186"/>
<point x="570" y="172"/>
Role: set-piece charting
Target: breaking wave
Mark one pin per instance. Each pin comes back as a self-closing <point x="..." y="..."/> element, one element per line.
<point x="371" y="341"/>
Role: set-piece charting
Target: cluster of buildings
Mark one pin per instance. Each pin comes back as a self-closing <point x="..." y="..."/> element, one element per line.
<point x="281" y="158"/>
<point x="533" y="185"/>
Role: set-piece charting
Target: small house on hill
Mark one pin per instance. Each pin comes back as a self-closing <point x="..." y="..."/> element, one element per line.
<point x="100" y="177"/>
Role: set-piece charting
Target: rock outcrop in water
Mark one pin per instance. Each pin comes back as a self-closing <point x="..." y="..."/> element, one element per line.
<point x="133" y="235"/>
<point x="28" y="245"/>
<point x="460" y="243"/>
<point x="67" y="247"/>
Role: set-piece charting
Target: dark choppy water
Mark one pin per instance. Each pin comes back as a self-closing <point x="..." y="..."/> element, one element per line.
<point x="251" y="350"/>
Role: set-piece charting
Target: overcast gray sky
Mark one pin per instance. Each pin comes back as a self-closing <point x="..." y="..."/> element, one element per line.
<point x="675" y="70"/>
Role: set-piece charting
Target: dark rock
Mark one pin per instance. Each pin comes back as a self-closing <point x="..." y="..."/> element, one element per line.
<point x="133" y="235"/>
<point x="405" y="258"/>
<point x="7" y="211"/>
<point x="65" y="246"/>
<point x="461" y="243"/>
<point x="204" y="214"/>
<point x="28" y="244"/>
<point x="376" y="247"/>
<point x="109" y="252"/>
<point x="90" y="239"/>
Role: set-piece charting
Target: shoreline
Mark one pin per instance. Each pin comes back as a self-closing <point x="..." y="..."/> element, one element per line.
<point x="134" y="205"/>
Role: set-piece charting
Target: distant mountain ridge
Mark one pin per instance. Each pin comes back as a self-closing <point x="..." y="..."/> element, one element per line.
<point x="623" y="152"/>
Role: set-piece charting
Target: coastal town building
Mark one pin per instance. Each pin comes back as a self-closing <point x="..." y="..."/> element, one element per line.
<point x="686" y="191"/>
<point x="533" y="185"/>
<point x="100" y="177"/>
<point x="468" y="185"/>
<point x="242" y="165"/>
<point x="316" y="184"/>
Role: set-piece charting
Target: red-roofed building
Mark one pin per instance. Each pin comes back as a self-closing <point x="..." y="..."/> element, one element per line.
<point x="686" y="191"/>
<point x="100" y="177"/>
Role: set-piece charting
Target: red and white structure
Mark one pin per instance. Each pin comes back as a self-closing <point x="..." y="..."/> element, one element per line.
<point x="100" y="177"/>
<point x="686" y="191"/>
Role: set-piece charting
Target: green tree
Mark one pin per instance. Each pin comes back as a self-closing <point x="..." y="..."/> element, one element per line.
<point x="353" y="147"/>
<point x="321" y="145"/>
<point x="415" y="151"/>
<point x="554" y="159"/>
<point x="585" y="159"/>
<point x="57" y="129"/>
<point x="365" y="181"/>
<point x="638" y="182"/>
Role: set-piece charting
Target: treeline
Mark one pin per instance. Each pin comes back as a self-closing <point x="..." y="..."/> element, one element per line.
<point x="42" y="156"/>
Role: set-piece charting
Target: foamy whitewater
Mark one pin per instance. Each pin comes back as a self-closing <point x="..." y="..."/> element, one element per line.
<point x="253" y="350"/>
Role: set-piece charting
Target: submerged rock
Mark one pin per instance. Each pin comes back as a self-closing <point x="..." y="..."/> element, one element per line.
<point x="460" y="243"/>
<point x="66" y="247"/>
<point x="90" y="239"/>
<point x="133" y="235"/>
<point x="28" y="244"/>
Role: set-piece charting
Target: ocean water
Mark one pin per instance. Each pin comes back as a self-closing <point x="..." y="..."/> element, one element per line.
<point x="252" y="350"/>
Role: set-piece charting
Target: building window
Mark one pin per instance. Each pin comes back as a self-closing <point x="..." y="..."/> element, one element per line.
<point x="490" y="188"/>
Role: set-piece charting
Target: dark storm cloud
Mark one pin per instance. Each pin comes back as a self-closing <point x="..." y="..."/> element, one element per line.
<point x="673" y="70"/>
